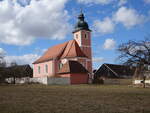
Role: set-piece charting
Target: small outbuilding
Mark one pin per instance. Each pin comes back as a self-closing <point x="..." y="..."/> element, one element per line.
<point x="75" y="71"/>
<point x="113" y="73"/>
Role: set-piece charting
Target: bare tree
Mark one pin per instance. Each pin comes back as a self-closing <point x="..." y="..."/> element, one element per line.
<point x="136" y="53"/>
<point x="2" y="67"/>
<point x="2" y="60"/>
<point x="13" y="70"/>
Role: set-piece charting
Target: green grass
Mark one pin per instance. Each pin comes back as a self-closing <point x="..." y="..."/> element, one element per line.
<point x="73" y="99"/>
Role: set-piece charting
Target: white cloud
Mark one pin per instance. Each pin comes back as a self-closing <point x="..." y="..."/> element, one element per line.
<point x="98" y="59"/>
<point x="105" y="26"/>
<point x="39" y="19"/>
<point x="103" y="2"/>
<point x="39" y="50"/>
<point x="147" y="1"/>
<point x="2" y="51"/>
<point x="128" y="17"/>
<point x="109" y="44"/>
<point x="24" y="2"/>
<point x="122" y="2"/>
<point x="24" y="59"/>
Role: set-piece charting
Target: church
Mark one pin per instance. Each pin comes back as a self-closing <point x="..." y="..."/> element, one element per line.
<point x="69" y="62"/>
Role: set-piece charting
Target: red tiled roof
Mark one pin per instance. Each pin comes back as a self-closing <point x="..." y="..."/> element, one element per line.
<point x="72" y="67"/>
<point x="64" y="50"/>
<point x="72" y="50"/>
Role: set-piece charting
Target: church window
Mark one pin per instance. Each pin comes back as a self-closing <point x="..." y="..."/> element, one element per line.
<point x="39" y="69"/>
<point x="46" y="68"/>
<point x="60" y="65"/>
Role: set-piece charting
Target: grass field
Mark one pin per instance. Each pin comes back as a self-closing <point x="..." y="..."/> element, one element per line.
<point x="73" y="99"/>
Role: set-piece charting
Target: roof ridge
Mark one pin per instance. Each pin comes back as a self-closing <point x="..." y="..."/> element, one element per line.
<point x="77" y="47"/>
<point x="116" y="64"/>
<point x="70" y="47"/>
<point x="111" y="69"/>
<point x="61" y="53"/>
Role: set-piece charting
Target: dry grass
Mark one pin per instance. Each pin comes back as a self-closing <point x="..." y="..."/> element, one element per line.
<point x="73" y="99"/>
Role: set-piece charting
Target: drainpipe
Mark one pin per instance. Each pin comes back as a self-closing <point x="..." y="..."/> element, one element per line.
<point x="53" y="67"/>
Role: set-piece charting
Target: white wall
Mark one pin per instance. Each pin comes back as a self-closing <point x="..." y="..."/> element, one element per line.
<point x="140" y="81"/>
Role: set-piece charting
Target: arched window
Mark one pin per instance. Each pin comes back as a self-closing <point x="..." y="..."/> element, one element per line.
<point x="39" y="69"/>
<point x="46" y="68"/>
<point x="60" y="65"/>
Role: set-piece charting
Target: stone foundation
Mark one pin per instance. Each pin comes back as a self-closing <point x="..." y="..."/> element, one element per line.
<point x="51" y="80"/>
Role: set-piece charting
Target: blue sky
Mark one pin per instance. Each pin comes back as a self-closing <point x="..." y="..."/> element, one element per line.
<point x="29" y="27"/>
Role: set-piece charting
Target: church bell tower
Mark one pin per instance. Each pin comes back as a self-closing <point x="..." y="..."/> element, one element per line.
<point x="82" y="35"/>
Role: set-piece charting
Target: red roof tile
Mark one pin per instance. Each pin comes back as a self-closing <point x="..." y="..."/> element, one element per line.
<point x="72" y="50"/>
<point x="64" y="50"/>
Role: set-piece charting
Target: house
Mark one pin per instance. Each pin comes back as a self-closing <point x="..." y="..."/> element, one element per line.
<point x="12" y="73"/>
<point x="60" y="57"/>
<point x="112" y="72"/>
<point x="20" y="71"/>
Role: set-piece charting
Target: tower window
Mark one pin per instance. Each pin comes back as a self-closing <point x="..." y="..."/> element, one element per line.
<point x="86" y="35"/>
<point x="76" y="35"/>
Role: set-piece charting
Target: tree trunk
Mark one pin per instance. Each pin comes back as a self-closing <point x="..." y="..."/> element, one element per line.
<point x="14" y="78"/>
<point x="144" y="81"/>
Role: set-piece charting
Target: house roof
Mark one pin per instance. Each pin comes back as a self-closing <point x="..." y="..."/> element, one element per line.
<point x="72" y="50"/>
<point x="117" y="70"/>
<point x="64" y="50"/>
<point x="121" y="69"/>
<point x="21" y="70"/>
<point x="20" y="67"/>
<point x="72" y="67"/>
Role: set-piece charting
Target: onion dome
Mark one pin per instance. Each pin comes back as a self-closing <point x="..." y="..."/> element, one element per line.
<point x="81" y="24"/>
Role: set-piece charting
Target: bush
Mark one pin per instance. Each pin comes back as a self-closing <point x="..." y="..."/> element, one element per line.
<point x="98" y="81"/>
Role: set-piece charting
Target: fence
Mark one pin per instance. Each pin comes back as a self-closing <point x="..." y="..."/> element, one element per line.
<point x="118" y="81"/>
